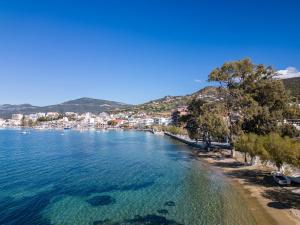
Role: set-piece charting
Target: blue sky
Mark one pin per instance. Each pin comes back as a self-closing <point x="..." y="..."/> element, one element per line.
<point x="135" y="51"/>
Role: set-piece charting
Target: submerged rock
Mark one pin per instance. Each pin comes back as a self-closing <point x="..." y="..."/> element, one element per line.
<point x="163" y="211"/>
<point x="101" y="200"/>
<point x="170" y="203"/>
<point x="100" y="222"/>
<point x="150" y="220"/>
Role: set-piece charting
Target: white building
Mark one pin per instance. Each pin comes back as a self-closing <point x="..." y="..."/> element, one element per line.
<point x="2" y="122"/>
<point x="132" y="122"/>
<point x="148" y="122"/>
<point x="33" y="117"/>
<point x="72" y="115"/>
<point x="52" y="115"/>
<point x="162" y="121"/>
<point x="40" y="115"/>
<point x="17" y="116"/>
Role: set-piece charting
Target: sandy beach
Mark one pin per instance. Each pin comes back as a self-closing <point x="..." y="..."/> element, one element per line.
<point x="270" y="203"/>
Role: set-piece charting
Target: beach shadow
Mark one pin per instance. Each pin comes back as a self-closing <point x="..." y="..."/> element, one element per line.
<point x="282" y="199"/>
<point x="253" y="177"/>
<point x="229" y="164"/>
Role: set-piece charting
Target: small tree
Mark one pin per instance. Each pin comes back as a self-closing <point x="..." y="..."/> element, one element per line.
<point x="281" y="150"/>
<point x="175" y="130"/>
<point x="112" y="123"/>
<point x="253" y="145"/>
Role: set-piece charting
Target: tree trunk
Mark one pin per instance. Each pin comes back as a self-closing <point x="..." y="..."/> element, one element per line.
<point x="245" y="155"/>
<point x="232" y="150"/>
<point x="253" y="160"/>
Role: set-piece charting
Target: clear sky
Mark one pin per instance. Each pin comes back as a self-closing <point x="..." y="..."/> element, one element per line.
<point x="135" y="51"/>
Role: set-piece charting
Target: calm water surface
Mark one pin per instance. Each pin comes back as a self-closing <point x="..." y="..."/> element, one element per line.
<point x="69" y="178"/>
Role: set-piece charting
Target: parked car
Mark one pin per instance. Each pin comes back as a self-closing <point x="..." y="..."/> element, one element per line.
<point x="281" y="179"/>
<point x="295" y="178"/>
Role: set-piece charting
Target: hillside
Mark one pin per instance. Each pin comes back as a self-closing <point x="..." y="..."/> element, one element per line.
<point x="160" y="106"/>
<point x="80" y="105"/>
<point x="168" y="103"/>
<point x="293" y="85"/>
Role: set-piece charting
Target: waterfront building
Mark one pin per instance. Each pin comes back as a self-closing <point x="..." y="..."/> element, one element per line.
<point x="40" y="114"/>
<point x="148" y="122"/>
<point x="162" y="121"/>
<point x="52" y="115"/>
<point x="2" y="122"/>
<point x="17" y="116"/>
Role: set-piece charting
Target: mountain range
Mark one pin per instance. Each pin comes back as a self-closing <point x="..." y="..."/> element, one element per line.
<point x="159" y="106"/>
<point x="80" y="105"/>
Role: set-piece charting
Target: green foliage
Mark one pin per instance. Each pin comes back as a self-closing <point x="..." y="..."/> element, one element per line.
<point x="289" y="131"/>
<point x="271" y="147"/>
<point x="253" y="145"/>
<point x="281" y="150"/>
<point x="43" y="119"/>
<point x="175" y="130"/>
<point x="255" y="102"/>
<point x="176" y="118"/>
<point x="293" y="85"/>
<point x="112" y="123"/>
<point x="205" y="120"/>
<point x="293" y="111"/>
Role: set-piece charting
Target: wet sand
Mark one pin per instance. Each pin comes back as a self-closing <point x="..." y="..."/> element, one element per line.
<point x="270" y="204"/>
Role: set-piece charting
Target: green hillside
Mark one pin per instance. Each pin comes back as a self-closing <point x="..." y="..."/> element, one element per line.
<point x="167" y="104"/>
<point x="293" y="86"/>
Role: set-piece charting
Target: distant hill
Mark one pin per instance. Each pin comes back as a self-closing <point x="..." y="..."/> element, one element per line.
<point x="293" y="85"/>
<point x="168" y="103"/>
<point x="80" y="105"/>
<point x="159" y="106"/>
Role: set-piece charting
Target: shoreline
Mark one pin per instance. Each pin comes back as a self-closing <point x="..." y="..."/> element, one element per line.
<point x="267" y="201"/>
<point x="252" y="195"/>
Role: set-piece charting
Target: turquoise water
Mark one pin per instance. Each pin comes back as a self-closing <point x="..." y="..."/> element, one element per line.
<point x="56" y="177"/>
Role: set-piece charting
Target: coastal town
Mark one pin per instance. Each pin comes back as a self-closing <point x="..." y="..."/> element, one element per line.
<point x="103" y="120"/>
<point x="72" y="120"/>
<point x="150" y="112"/>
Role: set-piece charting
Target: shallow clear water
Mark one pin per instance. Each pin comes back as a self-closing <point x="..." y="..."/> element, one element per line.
<point x="56" y="177"/>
